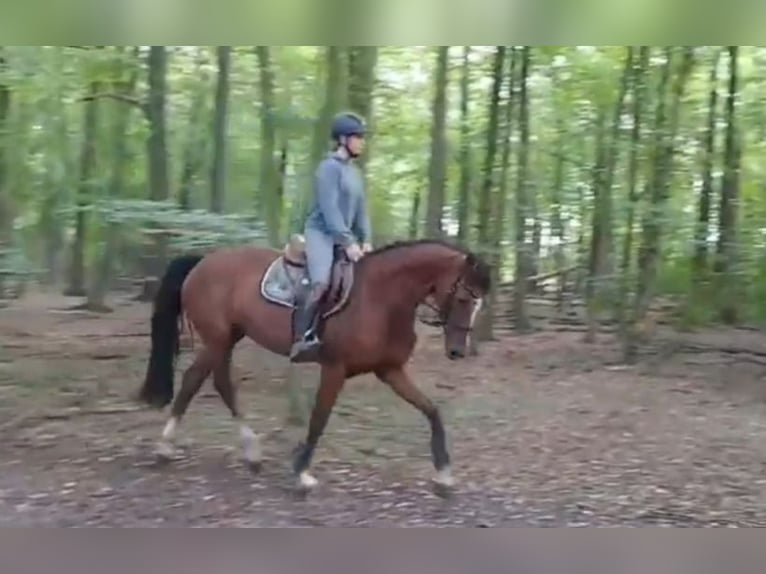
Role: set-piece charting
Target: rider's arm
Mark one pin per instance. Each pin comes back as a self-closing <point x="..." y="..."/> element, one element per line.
<point x="362" y="225"/>
<point x="327" y="189"/>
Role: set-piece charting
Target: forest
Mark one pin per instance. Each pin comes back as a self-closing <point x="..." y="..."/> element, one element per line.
<point x="617" y="191"/>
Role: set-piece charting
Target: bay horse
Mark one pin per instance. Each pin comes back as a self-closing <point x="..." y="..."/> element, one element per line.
<point x="368" y="326"/>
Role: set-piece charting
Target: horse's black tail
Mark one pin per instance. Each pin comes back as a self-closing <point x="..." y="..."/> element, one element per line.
<point x="157" y="389"/>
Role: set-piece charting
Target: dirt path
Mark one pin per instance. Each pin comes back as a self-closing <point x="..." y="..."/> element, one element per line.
<point x="544" y="431"/>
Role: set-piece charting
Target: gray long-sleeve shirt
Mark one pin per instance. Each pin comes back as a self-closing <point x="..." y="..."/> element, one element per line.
<point x="340" y="205"/>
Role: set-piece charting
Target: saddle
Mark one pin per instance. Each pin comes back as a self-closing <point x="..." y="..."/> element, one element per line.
<point x="283" y="280"/>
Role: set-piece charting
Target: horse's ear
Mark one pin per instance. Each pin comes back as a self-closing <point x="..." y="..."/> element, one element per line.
<point x="471" y="261"/>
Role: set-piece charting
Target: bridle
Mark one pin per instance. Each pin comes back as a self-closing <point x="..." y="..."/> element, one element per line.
<point x="444" y="313"/>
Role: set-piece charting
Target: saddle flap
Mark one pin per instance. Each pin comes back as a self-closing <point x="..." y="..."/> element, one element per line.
<point x="281" y="283"/>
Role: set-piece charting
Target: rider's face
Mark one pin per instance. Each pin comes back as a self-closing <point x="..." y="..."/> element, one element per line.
<point x="355" y="145"/>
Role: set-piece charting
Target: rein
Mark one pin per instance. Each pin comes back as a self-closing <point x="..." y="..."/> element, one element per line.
<point x="443" y="314"/>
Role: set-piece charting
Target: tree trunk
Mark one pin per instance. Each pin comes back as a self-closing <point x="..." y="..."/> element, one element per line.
<point x="464" y="193"/>
<point x="485" y="216"/>
<point x="334" y="100"/>
<point x="600" y="265"/>
<point x="76" y="286"/>
<point x="362" y="61"/>
<point x="157" y="152"/>
<point x="500" y="197"/>
<point x="665" y="129"/>
<point x="220" y="123"/>
<point x="57" y="169"/>
<point x="557" y="189"/>
<point x="6" y="216"/>
<point x="196" y="138"/>
<point x="157" y="148"/>
<point x="268" y="181"/>
<point x="640" y="72"/>
<point x="437" y="165"/>
<point x="488" y="172"/>
<point x="521" y="320"/>
<point x="125" y="84"/>
<point x="702" y="231"/>
<point x="729" y="210"/>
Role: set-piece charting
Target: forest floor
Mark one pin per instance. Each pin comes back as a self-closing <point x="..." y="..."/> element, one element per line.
<point x="544" y="430"/>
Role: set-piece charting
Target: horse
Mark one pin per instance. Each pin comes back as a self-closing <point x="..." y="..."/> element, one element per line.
<point x="367" y="326"/>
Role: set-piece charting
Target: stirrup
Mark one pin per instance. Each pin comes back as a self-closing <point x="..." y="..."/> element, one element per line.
<point x="305" y="351"/>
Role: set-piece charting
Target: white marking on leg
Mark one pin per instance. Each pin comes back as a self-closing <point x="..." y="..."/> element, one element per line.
<point x="305" y="480"/>
<point x="444" y="477"/>
<point x="165" y="445"/>
<point x="475" y="312"/>
<point x="251" y="444"/>
<point x="169" y="432"/>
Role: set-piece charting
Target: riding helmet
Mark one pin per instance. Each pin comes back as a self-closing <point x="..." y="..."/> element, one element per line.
<point x="347" y="124"/>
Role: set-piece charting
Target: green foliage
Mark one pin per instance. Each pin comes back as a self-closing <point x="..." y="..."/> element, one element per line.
<point x="194" y="229"/>
<point x="571" y="89"/>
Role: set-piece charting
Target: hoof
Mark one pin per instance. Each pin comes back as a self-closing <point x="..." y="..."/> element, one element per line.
<point x="443" y="484"/>
<point x="164" y="452"/>
<point x="252" y="454"/>
<point x="442" y="490"/>
<point x="306" y="483"/>
<point x="254" y="466"/>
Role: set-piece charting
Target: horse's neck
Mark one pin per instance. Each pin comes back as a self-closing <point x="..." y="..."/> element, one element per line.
<point x="409" y="278"/>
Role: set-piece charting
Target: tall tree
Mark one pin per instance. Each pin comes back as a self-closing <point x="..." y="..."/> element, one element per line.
<point x="488" y="172"/>
<point x="500" y="197"/>
<point x="639" y="85"/>
<point x="362" y="61"/>
<point x="464" y="193"/>
<point x="702" y="230"/>
<point x="658" y="186"/>
<point x="486" y="219"/>
<point x="601" y="248"/>
<point x="124" y="72"/>
<point x="220" y="123"/>
<point x="5" y="106"/>
<point x="84" y="196"/>
<point x="727" y="252"/>
<point x="521" y="320"/>
<point x="268" y="183"/>
<point x="157" y="150"/>
<point x="437" y="164"/>
<point x="156" y="145"/>
<point x="195" y="145"/>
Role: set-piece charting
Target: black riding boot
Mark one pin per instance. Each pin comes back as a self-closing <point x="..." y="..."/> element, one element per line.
<point x="306" y="340"/>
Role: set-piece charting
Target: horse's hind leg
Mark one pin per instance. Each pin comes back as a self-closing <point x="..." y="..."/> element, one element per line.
<point x="207" y="358"/>
<point x="251" y="445"/>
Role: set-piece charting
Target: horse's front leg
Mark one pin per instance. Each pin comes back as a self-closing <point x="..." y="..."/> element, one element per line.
<point x="402" y="385"/>
<point x="330" y="385"/>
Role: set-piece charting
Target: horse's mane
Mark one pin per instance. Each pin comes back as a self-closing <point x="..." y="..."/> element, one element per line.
<point x="480" y="269"/>
<point x="401" y="243"/>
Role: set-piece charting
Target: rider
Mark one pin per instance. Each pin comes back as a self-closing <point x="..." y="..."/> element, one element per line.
<point x="339" y="217"/>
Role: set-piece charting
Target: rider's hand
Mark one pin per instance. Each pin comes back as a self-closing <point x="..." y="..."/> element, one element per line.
<point x="354" y="252"/>
<point x="367" y="247"/>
